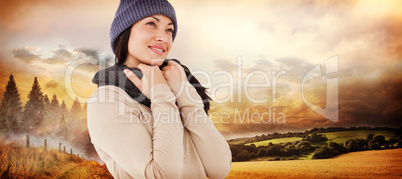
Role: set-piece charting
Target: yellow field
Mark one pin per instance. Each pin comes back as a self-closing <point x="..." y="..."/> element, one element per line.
<point x="37" y="163"/>
<point x="365" y="164"/>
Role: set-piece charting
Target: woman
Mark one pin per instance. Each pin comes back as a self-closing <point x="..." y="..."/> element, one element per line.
<point x="148" y="116"/>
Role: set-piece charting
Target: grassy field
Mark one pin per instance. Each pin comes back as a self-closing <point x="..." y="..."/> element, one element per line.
<point x="37" y="163"/>
<point x="276" y="141"/>
<point x="342" y="136"/>
<point x="339" y="137"/>
<point x="365" y="164"/>
<point x="238" y="141"/>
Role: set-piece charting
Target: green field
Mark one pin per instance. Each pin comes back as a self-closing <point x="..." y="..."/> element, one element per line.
<point x="276" y="141"/>
<point x="339" y="137"/>
<point x="342" y="136"/>
<point x="238" y="141"/>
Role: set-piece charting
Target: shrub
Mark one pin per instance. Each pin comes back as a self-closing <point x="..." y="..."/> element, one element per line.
<point x="399" y="145"/>
<point x="324" y="152"/>
<point x="380" y="139"/>
<point x="369" y="137"/>
<point x="374" y="145"/>
<point x="261" y="152"/>
<point x="253" y="155"/>
<point x="355" y="144"/>
<point x="393" y="140"/>
<point x="235" y="150"/>
<point x="243" y="156"/>
<point x="293" y="158"/>
<point x="315" y="137"/>
<point x="251" y="148"/>
<point x="337" y="147"/>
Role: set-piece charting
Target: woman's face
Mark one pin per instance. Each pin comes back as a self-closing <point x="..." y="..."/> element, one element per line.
<point x="150" y="38"/>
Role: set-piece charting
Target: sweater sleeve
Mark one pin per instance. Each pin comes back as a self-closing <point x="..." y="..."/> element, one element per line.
<point x="212" y="148"/>
<point x="129" y="149"/>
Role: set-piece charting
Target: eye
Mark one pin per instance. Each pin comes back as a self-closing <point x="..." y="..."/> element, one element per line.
<point x="151" y="24"/>
<point x="170" y="30"/>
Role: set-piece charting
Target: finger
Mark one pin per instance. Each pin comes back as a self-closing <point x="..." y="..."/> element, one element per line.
<point x="142" y="66"/>
<point x="172" y="63"/>
<point x="133" y="78"/>
<point x="167" y="68"/>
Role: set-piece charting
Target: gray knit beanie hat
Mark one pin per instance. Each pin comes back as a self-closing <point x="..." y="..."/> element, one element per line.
<point x="131" y="11"/>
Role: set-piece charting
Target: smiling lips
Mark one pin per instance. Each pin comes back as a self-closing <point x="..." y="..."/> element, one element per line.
<point x="158" y="49"/>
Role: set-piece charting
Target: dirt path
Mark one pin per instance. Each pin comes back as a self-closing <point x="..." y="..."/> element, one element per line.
<point x="366" y="164"/>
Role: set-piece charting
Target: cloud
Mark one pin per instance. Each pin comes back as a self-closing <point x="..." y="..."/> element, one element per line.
<point x="52" y="84"/>
<point x="62" y="52"/>
<point x="88" y="52"/>
<point x="60" y="56"/>
<point x="55" y="60"/>
<point x="25" y="54"/>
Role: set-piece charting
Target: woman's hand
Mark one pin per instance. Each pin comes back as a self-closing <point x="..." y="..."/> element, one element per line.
<point x="174" y="75"/>
<point x="151" y="76"/>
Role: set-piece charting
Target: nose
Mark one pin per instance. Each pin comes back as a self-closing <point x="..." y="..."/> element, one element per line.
<point x="162" y="36"/>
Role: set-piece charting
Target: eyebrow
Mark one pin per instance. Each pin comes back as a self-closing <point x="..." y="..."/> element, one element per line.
<point x="160" y="20"/>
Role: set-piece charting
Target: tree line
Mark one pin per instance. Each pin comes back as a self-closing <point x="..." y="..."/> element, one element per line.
<point x="42" y="116"/>
<point x="308" y="145"/>
<point x="276" y="135"/>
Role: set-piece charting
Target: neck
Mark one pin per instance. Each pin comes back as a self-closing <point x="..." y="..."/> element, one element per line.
<point x="130" y="62"/>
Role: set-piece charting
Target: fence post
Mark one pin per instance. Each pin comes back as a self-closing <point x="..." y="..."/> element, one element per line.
<point x="45" y="144"/>
<point x="27" y="141"/>
<point x="71" y="151"/>
<point x="59" y="146"/>
<point x="64" y="148"/>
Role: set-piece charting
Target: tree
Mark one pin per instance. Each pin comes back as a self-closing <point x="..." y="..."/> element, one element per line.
<point x="89" y="148"/>
<point x="261" y="152"/>
<point x="253" y="155"/>
<point x="35" y="108"/>
<point x="380" y="139"/>
<point x="235" y="150"/>
<point x="243" y="156"/>
<point x="76" y="109"/>
<point x="46" y="101"/>
<point x="63" y="108"/>
<point x="369" y="137"/>
<point x="374" y="145"/>
<point x="11" y="107"/>
<point x="324" y="152"/>
<point x="315" y="137"/>
<point x="62" y="131"/>
<point x="54" y="103"/>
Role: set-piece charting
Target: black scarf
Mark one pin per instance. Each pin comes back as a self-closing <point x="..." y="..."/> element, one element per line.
<point x="115" y="76"/>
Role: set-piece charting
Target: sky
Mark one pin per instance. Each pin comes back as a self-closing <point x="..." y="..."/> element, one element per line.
<point x="269" y="66"/>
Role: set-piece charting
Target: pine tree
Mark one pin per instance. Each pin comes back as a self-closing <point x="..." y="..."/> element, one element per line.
<point x="89" y="148"/>
<point x="54" y="103"/>
<point x="76" y="109"/>
<point x="46" y="101"/>
<point x="62" y="131"/>
<point x="10" y="109"/>
<point x="48" y="112"/>
<point x="64" y="109"/>
<point x="52" y="112"/>
<point x="35" y="108"/>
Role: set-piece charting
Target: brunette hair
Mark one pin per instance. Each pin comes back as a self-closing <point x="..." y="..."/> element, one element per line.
<point x="121" y="51"/>
<point x="121" y="46"/>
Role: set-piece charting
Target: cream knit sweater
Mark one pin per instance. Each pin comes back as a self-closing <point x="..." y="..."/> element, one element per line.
<point x="137" y="142"/>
